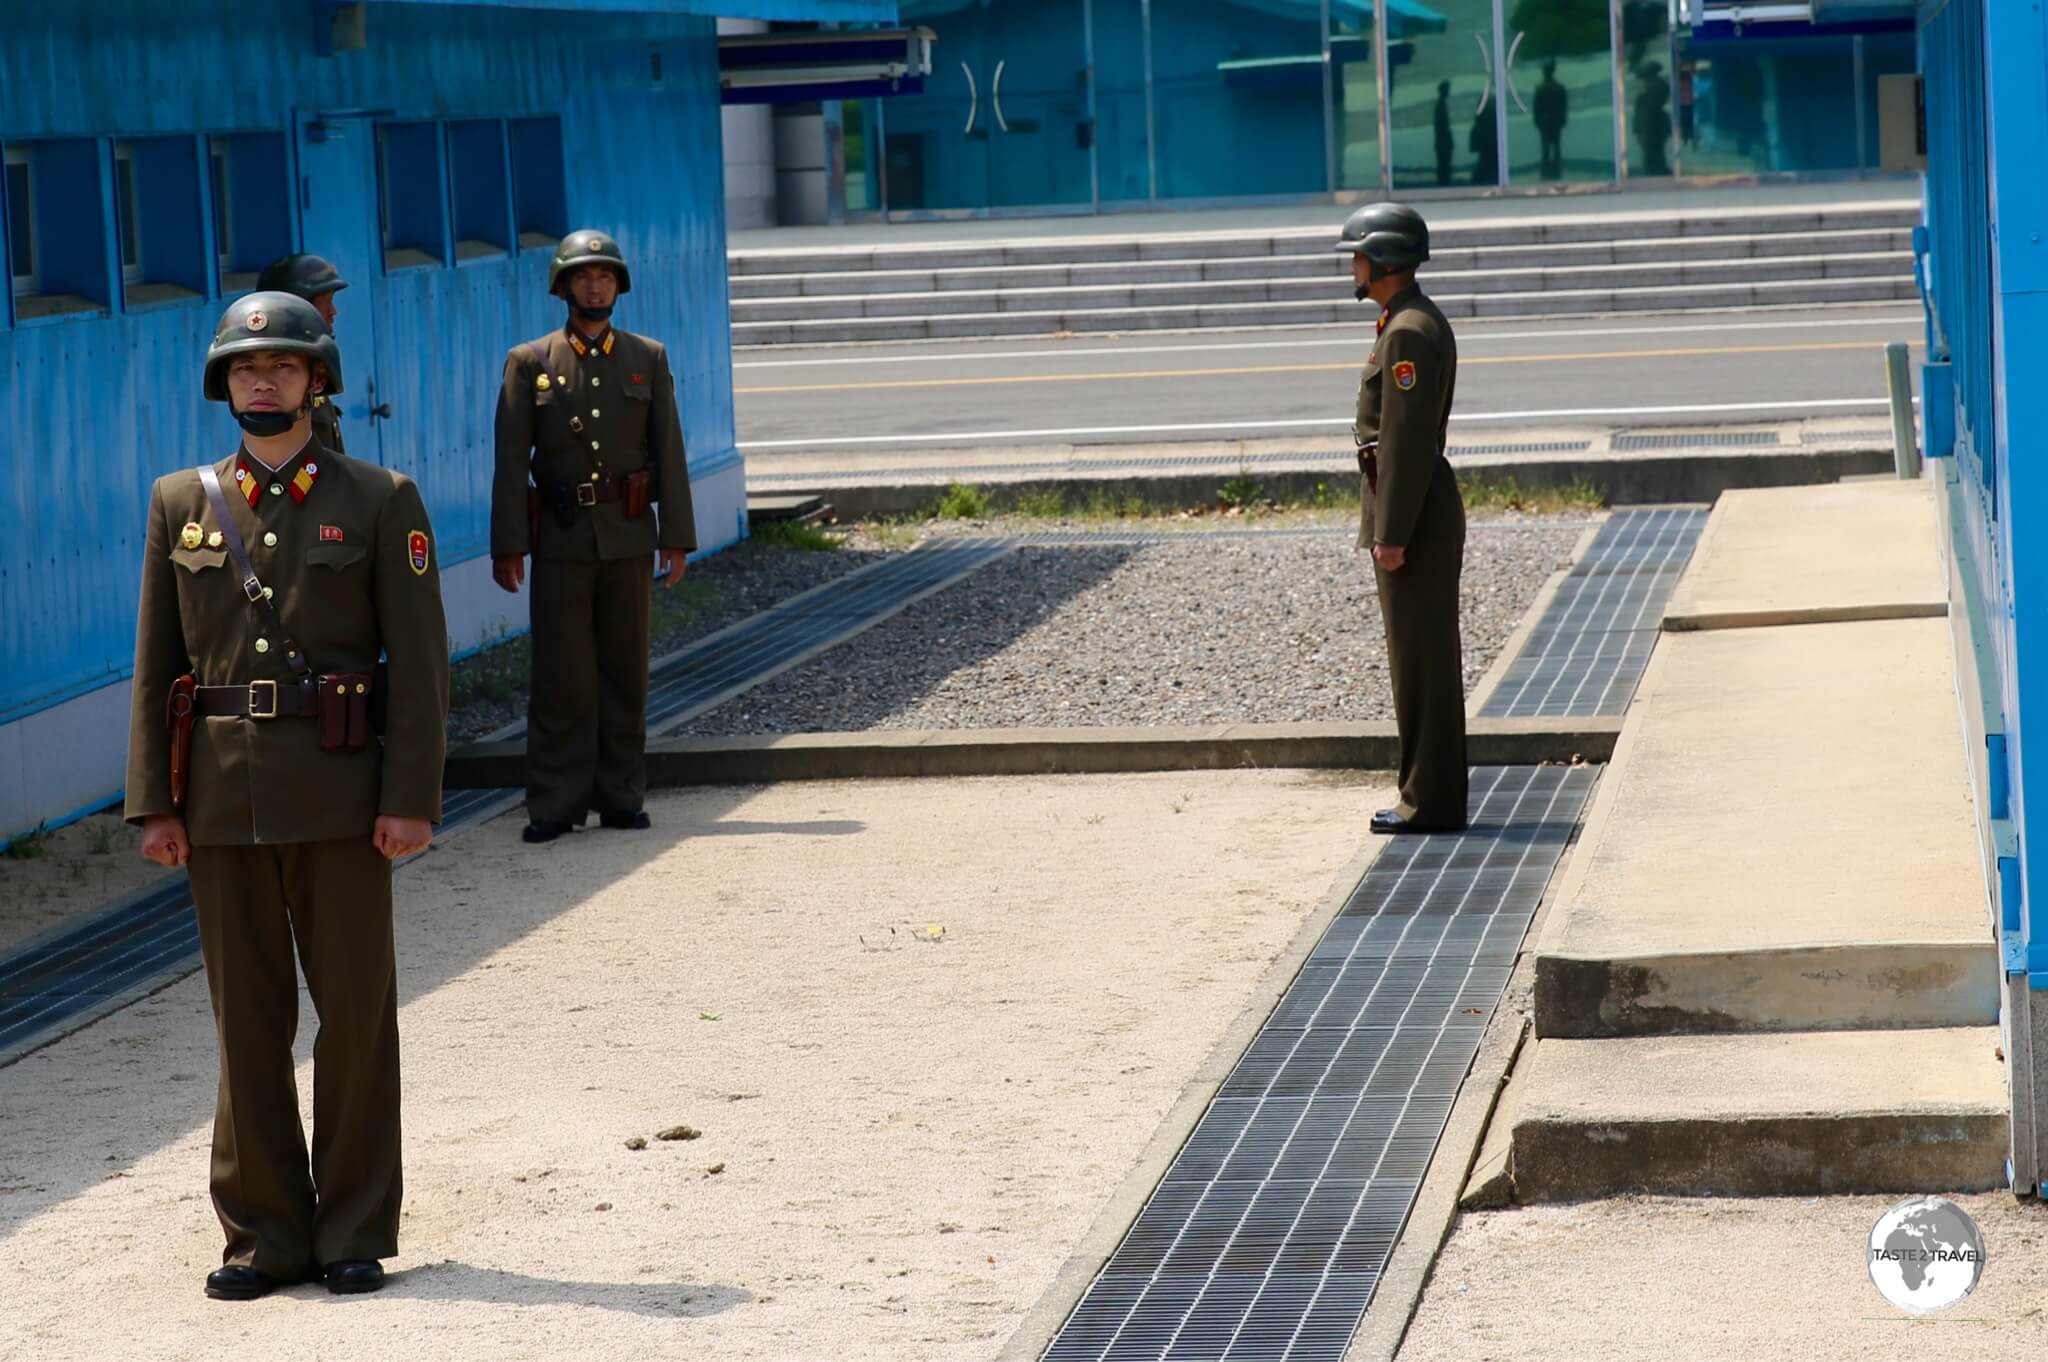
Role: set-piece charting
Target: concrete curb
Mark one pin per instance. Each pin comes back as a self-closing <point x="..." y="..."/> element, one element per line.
<point x="1041" y="1324"/>
<point x="1705" y="620"/>
<point x="1696" y="476"/>
<point x="1905" y="985"/>
<point x="1055" y="751"/>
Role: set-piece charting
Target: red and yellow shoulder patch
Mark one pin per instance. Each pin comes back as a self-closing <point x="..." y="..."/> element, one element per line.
<point x="418" y="552"/>
<point x="1404" y="374"/>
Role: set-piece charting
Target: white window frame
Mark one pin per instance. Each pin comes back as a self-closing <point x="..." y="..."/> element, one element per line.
<point x="28" y="284"/>
<point x="220" y="186"/>
<point x="124" y="163"/>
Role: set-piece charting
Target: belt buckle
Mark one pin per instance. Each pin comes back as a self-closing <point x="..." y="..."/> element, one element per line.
<point x="267" y="688"/>
<point x="586" y="494"/>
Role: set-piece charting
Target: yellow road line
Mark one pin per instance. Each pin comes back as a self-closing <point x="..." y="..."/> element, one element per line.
<point x="1349" y="367"/>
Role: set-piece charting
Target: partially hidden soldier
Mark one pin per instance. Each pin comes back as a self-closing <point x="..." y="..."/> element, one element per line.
<point x="1412" y="516"/>
<point x="271" y="583"/>
<point x="316" y="280"/>
<point x="592" y="480"/>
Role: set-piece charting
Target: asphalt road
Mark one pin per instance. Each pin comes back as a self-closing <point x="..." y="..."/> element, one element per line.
<point x="1704" y="368"/>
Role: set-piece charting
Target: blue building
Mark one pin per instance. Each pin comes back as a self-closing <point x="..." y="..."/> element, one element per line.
<point x="158" y="155"/>
<point x="1983" y="64"/>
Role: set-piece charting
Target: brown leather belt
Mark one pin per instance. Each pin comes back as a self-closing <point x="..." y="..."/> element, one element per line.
<point x="257" y="700"/>
<point x="606" y="487"/>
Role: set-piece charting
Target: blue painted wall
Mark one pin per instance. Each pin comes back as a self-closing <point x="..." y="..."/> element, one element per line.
<point x="99" y="406"/>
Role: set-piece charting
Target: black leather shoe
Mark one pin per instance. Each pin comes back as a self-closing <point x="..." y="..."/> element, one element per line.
<point x="546" y="830"/>
<point x="237" y="1283"/>
<point x="636" y="821"/>
<point x="1389" y="823"/>
<point x="354" y="1279"/>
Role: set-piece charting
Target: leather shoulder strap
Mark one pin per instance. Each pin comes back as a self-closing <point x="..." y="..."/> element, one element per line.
<point x="252" y="586"/>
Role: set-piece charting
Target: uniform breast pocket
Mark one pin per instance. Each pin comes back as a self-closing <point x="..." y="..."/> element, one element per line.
<point x="639" y="401"/>
<point x="198" y="560"/>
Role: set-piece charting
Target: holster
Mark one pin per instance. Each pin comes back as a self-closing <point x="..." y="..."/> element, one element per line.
<point x="636" y="492"/>
<point x="345" y="711"/>
<point x="180" y="712"/>
<point x="1369" y="464"/>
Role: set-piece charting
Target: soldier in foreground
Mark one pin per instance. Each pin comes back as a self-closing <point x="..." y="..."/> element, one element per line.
<point x="317" y="281"/>
<point x="271" y="581"/>
<point x="592" y="480"/>
<point x="1413" y="518"/>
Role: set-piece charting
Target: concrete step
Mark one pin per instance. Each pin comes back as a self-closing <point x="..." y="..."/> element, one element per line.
<point x="1322" y="265"/>
<point x="1185" y="316"/>
<point x="1807" y="1114"/>
<point x="1319" y="287"/>
<point x="1109" y="247"/>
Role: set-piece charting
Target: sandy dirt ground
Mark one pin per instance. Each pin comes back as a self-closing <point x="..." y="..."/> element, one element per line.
<point x="69" y="872"/>
<point x="925" y="1028"/>
<point x="1759" y="1279"/>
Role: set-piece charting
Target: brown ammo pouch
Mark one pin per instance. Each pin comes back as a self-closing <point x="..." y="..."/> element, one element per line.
<point x="345" y="712"/>
<point x="636" y="492"/>
<point x="181" y="711"/>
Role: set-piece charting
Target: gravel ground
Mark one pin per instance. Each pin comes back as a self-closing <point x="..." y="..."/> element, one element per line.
<point x="720" y="591"/>
<point x="1204" y="628"/>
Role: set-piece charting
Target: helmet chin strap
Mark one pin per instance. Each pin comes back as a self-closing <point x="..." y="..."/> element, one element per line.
<point x="265" y="424"/>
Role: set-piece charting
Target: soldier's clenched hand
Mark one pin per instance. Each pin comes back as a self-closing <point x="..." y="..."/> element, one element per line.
<point x="509" y="573"/>
<point x="1389" y="556"/>
<point x="670" y="567"/>
<point x="401" y="837"/>
<point x="164" y="840"/>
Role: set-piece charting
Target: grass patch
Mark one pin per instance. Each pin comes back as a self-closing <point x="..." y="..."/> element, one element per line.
<point x="99" y="838"/>
<point x="1103" y="504"/>
<point x="961" y="501"/>
<point x="1505" y="494"/>
<point x="1047" y="504"/>
<point x="790" y="534"/>
<point x="497" y="673"/>
<point x="1241" y="493"/>
<point x="30" y="845"/>
<point x="677" y="607"/>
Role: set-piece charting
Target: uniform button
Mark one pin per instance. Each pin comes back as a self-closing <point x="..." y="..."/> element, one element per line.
<point x="593" y="444"/>
<point x="270" y="540"/>
<point x="595" y="412"/>
<point x="262" y="645"/>
<point x="268" y="592"/>
<point x="597" y="383"/>
<point x="277" y="489"/>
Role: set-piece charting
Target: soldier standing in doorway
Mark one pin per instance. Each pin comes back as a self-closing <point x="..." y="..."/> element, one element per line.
<point x="317" y="281"/>
<point x="592" y="480"/>
<point x="1413" y="518"/>
<point x="271" y="583"/>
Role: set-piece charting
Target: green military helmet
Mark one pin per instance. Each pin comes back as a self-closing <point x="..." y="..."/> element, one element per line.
<point x="270" y="321"/>
<point x="588" y="246"/>
<point x="309" y="276"/>
<point x="1392" y="236"/>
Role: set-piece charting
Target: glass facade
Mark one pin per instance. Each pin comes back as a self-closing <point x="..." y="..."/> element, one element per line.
<point x="1090" y="104"/>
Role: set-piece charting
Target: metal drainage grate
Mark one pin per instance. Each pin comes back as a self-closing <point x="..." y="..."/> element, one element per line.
<point x="1720" y="439"/>
<point x="1877" y="436"/>
<point x="142" y="944"/>
<point x="1527" y="447"/>
<point x="1587" y="653"/>
<point x="1268" y="1235"/>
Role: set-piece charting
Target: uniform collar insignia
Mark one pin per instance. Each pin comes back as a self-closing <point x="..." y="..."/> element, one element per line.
<point x="603" y="345"/>
<point x="251" y="478"/>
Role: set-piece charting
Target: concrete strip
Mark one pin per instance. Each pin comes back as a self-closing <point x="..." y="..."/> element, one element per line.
<point x="1510" y="650"/>
<point x="1865" y="550"/>
<point x="1666" y="477"/>
<point x="1042" y="1322"/>
<point x="750" y="760"/>
<point x="1814" y="988"/>
<point x="1811" y="783"/>
<point x="1802" y="1114"/>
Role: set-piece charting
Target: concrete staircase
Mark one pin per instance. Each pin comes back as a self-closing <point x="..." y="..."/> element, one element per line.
<point x="1526" y="267"/>
<point x="1769" y="965"/>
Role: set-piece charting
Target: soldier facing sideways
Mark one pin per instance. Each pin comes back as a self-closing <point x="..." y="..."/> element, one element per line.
<point x="317" y="281"/>
<point x="1412" y="517"/>
<point x="271" y="582"/>
<point x="592" y="480"/>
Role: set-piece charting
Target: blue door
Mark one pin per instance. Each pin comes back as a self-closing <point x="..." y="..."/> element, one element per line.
<point x="338" y="219"/>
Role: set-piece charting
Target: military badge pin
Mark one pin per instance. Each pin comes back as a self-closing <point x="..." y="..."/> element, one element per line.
<point x="543" y="383"/>
<point x="1404" y="375"/>
<point x="258" y="321"/>
<point x="216" y="540"/>
<point x="191" y="536"/>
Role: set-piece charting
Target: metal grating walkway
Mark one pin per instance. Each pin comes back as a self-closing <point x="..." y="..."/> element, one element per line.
<point x="139" y="945"/>
<point x="1588" y="651"/>
<point x="1268" y="1234"/>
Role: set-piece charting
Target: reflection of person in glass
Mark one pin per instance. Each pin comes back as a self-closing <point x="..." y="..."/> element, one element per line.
<point x="1484" y="142"/>
<point x="1446" y="145"/>
<point x="1553" y="108"/>
<point x="1653" y="118"/>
